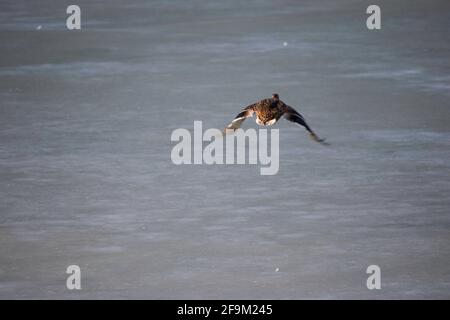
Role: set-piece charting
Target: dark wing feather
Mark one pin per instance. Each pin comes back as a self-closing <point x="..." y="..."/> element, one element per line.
<point x="292" y="115"/>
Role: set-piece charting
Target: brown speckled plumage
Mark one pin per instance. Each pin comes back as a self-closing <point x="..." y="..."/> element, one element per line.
<point x="269" y="111"/>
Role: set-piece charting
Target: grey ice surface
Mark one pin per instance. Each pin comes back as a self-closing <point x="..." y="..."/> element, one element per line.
<point x="86" y="176"/>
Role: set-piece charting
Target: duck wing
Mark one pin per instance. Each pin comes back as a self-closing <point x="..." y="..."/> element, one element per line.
<point x="247" y="112"/>
<point x="294" y="116"/>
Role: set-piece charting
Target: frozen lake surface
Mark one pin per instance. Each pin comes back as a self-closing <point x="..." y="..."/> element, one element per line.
<point x="86" y="176"/>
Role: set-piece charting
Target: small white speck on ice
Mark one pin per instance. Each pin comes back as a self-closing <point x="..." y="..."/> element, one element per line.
<point x="39" y="27"/>
<point x="285" y="44"/>
<point x="277" y="269"/>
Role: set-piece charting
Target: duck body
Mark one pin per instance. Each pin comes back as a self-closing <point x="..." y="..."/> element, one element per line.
<point x="268" y="111"/>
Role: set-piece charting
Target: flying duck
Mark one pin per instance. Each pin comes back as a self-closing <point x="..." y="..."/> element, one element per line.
<point x="268" y="112"/>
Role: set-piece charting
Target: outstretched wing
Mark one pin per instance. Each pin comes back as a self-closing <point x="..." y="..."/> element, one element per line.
<point x="244" y="114"/>
<point x="292" y="115"/>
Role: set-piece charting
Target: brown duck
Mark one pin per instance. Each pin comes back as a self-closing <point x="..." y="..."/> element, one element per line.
<point x="269" y="111"/>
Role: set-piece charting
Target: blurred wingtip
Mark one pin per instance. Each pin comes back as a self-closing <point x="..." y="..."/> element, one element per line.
<point x="319" y="140"/>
